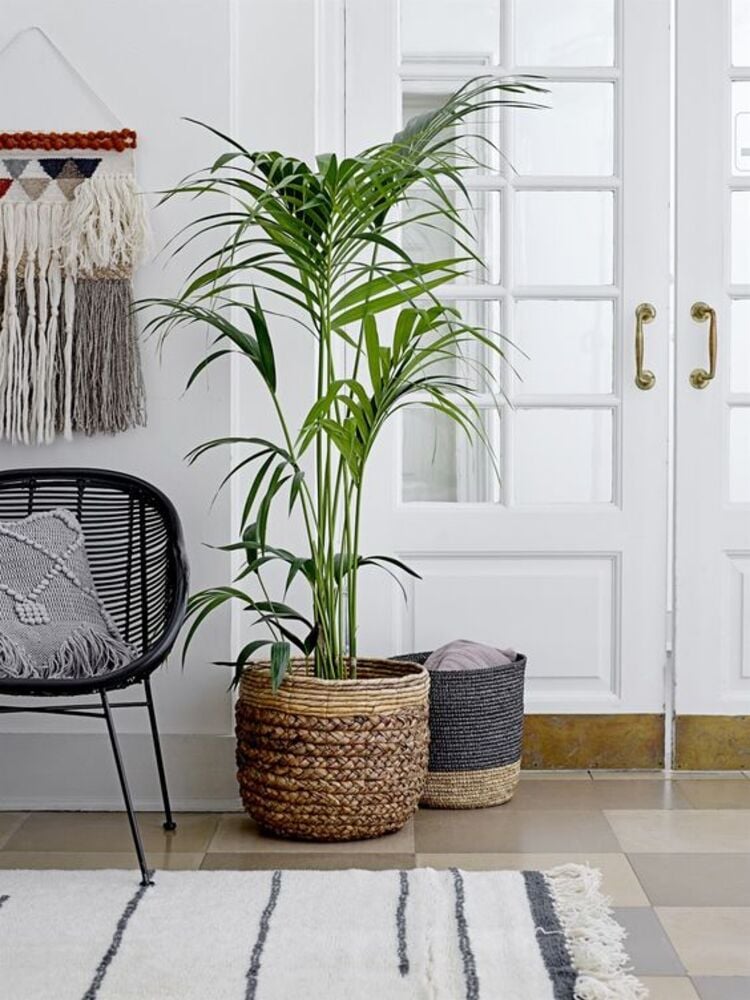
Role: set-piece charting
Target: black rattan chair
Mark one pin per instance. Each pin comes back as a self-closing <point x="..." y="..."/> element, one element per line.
<point x="137" y="557"/>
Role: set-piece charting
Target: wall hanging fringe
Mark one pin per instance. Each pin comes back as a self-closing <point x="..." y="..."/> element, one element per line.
<point x="73" y="227"/>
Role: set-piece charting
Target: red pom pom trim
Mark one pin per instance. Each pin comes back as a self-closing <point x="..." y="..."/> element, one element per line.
<point x="122" y="140"/>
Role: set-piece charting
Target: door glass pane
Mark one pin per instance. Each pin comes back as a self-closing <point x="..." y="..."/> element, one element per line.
<point x="450" y="30"/>
<point x="740" y="237"/>
<point x="741" y="32"/>
<point x="739" y="454"/>
<point x="439" y="463"/>
<point x="569" y="33"/>
<point x="575" y="135"/>
<point x="569" y="346"/>
<point x="431" y="237"/>
<point x="486" y="127"/>
<point x="739" y="377"/>
<point x="741" y="127"/>
<point x="562" y="456"/>
<point x="565" y="237"/>
<point x="474" y="363"/>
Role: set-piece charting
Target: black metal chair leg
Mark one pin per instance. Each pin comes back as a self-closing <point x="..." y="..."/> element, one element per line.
<point x="136" y="834"/>
<point x="169" y="823"/>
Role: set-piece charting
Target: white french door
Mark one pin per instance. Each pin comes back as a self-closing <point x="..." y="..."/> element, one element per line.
<point x="712" y="652"/>
<point x="566" y="557"/>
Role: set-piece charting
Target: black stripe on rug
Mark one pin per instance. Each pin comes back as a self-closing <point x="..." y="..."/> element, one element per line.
<point x="122" y="923"/>
<point x="550" y="937"/>
<point x="4" y="899"/>
<point x="403" y="895"/>
<point x="265" y="922"/>
<point x="464" y="941"/>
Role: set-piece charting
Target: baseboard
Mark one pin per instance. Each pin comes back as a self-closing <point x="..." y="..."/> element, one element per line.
<point x="76" y="771"/>
<point x="593" y="741"/>
<point x="712" y="743"/>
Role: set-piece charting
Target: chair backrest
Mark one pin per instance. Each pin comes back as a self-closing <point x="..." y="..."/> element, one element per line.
<point x="133" y="538"/>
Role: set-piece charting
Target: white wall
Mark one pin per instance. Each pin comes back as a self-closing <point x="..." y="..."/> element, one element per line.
<point x="248" y="68"/>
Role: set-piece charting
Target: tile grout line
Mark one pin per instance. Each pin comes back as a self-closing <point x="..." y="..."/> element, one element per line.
<point x="13" y="830"/>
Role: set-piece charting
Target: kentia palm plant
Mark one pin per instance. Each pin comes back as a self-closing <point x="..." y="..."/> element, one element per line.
<point x="325" y="241"/>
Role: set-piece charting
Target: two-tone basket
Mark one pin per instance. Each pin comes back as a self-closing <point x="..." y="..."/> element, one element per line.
<point x="476" y="734"/>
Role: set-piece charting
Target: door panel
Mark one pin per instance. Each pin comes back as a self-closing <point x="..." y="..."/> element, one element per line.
<point x="565" y="558"/>
<point x="712" y="652"/>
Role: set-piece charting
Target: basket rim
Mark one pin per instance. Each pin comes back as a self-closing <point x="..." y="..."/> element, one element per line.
<point x="392" y="671"/>
<point x="519" y="662"/>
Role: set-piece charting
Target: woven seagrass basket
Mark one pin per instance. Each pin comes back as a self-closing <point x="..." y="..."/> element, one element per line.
<point x="476" y="735"/>
<point x="333" y="760"/>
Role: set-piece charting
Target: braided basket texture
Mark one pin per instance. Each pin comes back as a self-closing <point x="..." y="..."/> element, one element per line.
<point x="476" y="735"/>
<point x="333" y="760"/>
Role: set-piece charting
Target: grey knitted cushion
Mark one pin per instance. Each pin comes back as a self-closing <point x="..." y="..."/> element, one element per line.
<point x="52" y="622"/>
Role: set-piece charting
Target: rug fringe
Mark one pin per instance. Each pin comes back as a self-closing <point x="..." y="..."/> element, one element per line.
<point x="593" y="936"/>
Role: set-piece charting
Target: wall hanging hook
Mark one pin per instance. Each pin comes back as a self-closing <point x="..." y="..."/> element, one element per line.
<point x="36" y="29"/>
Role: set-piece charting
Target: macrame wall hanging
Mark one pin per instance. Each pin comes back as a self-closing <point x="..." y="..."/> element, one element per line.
<point x="73" y="227"/>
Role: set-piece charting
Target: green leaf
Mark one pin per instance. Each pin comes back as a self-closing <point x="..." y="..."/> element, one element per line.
<point x="280" y="656"/>
<point x="244" y="655"/>
<point x="372" y="345"/>
<point x="267" y="364"/>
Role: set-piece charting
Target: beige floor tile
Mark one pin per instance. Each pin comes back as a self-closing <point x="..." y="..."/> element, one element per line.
<point x="681" y="831"/>
<point x="237" y="833"/>
<point x="619" y="880"/>
<point x="603" y="774"/>
<point x="507" y="831"/>
<point x="663" y="775"/>
<point x="9" y="823"/>
<point x="89" y="831"/>
<point x="710" y="775"/>
<point x="633" y="794"/>
<point x="89" y="861"/>
<point x="694" y="879"/>
<point x="264" y="861"/>
<point x="711" y="941"/>
<point x="555" y="775"/>
<point x="669" y="988"/>
<point x="718" y="793"/>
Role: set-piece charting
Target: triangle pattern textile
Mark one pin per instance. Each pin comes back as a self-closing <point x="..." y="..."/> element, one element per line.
<point x="68" y="185"/>
<point x="34" y="186"/>
<point x="69" y="169"/>
<point x="16" y="165"/>
<point x="52" y="165"/>
<point x="74" y="193"/>
<point x="87" y="165"/>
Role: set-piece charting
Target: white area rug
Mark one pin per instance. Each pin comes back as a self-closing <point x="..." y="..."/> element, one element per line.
<point x="304" y="935"/>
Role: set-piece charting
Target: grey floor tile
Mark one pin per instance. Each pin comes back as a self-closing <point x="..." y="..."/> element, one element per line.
<point x="669" y="988"/>
<point x="694" y="879"/>
<point x="600" y="794"/>
<point x="98" y="831"/>
<point x="722" y="987"/>
<point x="265" y="860"/>
<point x="521" y="831"/>
<point x="716" y="794"/>
<point x="647" y="944"/>
<point x="94" y="860"/>
<point x="9" y="823"/>
<point x="237" y="833"/>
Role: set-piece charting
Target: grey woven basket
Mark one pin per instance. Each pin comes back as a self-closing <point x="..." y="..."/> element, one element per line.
<point x="476" y="734"/>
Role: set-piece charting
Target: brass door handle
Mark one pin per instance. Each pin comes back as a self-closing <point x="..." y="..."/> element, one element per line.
<point x="700" y="312"/>
<point x="644" y="313"/>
